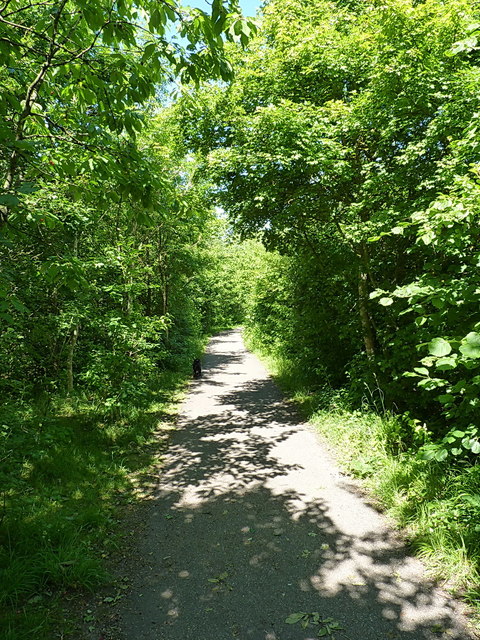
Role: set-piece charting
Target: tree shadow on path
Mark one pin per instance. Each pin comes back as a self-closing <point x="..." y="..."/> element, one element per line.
<point x="244" y="530"/>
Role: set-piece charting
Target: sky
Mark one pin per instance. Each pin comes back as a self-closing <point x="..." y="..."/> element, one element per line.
<point x="249" y="7"/>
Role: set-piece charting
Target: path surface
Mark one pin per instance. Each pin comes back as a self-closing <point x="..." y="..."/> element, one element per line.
<point x="253" y="522"/>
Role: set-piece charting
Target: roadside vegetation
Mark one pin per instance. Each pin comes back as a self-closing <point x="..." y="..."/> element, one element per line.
<point x="315" y="178"/>
<point x="348" y="145"/>
<point x="435" y="504"/>
<point x="68" y="472"/>
<point x="114" y="268"/>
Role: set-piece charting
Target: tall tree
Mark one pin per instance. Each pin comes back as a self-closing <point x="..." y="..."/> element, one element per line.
<point x="336" y="138"/>
<point x="73" y="77"/>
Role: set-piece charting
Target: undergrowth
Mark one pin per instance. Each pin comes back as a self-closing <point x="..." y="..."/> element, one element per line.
<point x="437" y="504"/>
<point x="67" y="467"/>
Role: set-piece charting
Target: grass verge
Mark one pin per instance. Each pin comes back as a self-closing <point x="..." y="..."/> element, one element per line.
<point x="436" y="504"/>
<point x="67" y="469"/>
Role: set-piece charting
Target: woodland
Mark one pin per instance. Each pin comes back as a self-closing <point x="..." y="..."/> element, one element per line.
<point x="312" y="175"/>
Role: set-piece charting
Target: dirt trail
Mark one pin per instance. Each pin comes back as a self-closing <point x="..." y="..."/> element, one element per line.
<point x="253" y="522"/>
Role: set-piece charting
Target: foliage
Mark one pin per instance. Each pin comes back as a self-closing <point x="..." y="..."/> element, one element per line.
<point x="74" y="76"/>
<point x="223" y="287"/>
<point x="349" y="145"/>
<point x="327" y="626"/>
<point x="442" y="305"/>
<point x="67" y="472"/>
<point x="104" y="249"/>
<point x="437" y="504"/>
<point x="284" y="315"/>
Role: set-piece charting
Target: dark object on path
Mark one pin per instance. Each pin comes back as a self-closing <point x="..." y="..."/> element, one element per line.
<point x="197" y="368"/>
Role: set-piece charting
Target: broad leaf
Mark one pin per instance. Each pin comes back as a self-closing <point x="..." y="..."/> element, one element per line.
<point x="293" y="618"/>
<point x="386" y="302"/>
<point x="446" y="364"/>
<point x="470" y="345"/>
<point x="439" y="347"/>
<point x="476" y="446"/>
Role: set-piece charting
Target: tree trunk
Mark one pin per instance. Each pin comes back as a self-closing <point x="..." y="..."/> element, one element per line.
<point x="368" y="329"/>
<point x="148" y="303"/>
<point x="30" y="98"/>
<point x="71" y="349"/>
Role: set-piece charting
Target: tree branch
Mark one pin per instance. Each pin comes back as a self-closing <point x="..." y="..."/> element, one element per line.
<point x="30" y="99"/>
<point x="26" y="7"/>
<point x="5" y="6"/>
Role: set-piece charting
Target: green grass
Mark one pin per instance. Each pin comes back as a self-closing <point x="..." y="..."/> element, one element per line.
<point x="436" y="504"/>
<point x="65" y="473"/>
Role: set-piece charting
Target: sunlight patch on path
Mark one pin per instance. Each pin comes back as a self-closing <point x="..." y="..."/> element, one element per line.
<point x="253" y="521"/>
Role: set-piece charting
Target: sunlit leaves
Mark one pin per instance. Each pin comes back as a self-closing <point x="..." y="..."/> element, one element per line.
<point x="439" y="347"/>
<point x="467" y="44"/>
<point x="357" y="125"/>
<point x="85" y="68"/>
<point x="470" y="345"/>
<point x="385" y="302"/>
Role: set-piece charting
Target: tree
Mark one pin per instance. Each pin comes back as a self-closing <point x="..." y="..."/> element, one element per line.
<point x="335" y="139"/>
<point x="74" y="75"/>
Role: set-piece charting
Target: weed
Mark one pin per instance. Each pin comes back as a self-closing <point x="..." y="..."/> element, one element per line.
<point x="63" y="481"/>
<point x="326" y="627"/>
<point x="437" y="504"/>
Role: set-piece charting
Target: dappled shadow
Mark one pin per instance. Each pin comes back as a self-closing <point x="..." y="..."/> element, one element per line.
<point x="249" y="525"/>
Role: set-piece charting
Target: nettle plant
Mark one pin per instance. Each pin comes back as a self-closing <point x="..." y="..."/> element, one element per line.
<point x="459" y="398"/>
<point x="326" y="627"/>
<point x="442" y="306"/>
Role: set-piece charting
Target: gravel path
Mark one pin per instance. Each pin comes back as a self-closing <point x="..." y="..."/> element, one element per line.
<point x="252" y="521"/>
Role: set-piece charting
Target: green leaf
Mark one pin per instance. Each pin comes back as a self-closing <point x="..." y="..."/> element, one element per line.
<point x="474" y="499"/>
<point x="427" y="452"/>
<point x="441" y="455"/>
<point x="446" y="398"/>
<point x="438" y="302"/>
<point x="19" y="306"/>
<point x="149" y="50"/>
<point x="421" y="371"/>
<point x="430" y="384"/>
<point x="385" y="302"/>
<point x="439" y="347"/>
<point x="28" y="187"/>
<point x="8" y="200"/>
<point x="446" y="364"/>
<point x="470" y="345"/>
<point x="463" y="45"/>
<point x="293" y="618"/>
<point x="476" y="446"/>
<point x="93" y="17"/>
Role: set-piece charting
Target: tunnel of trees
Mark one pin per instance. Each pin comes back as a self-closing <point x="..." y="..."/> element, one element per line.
<point x="169" y="172"/>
